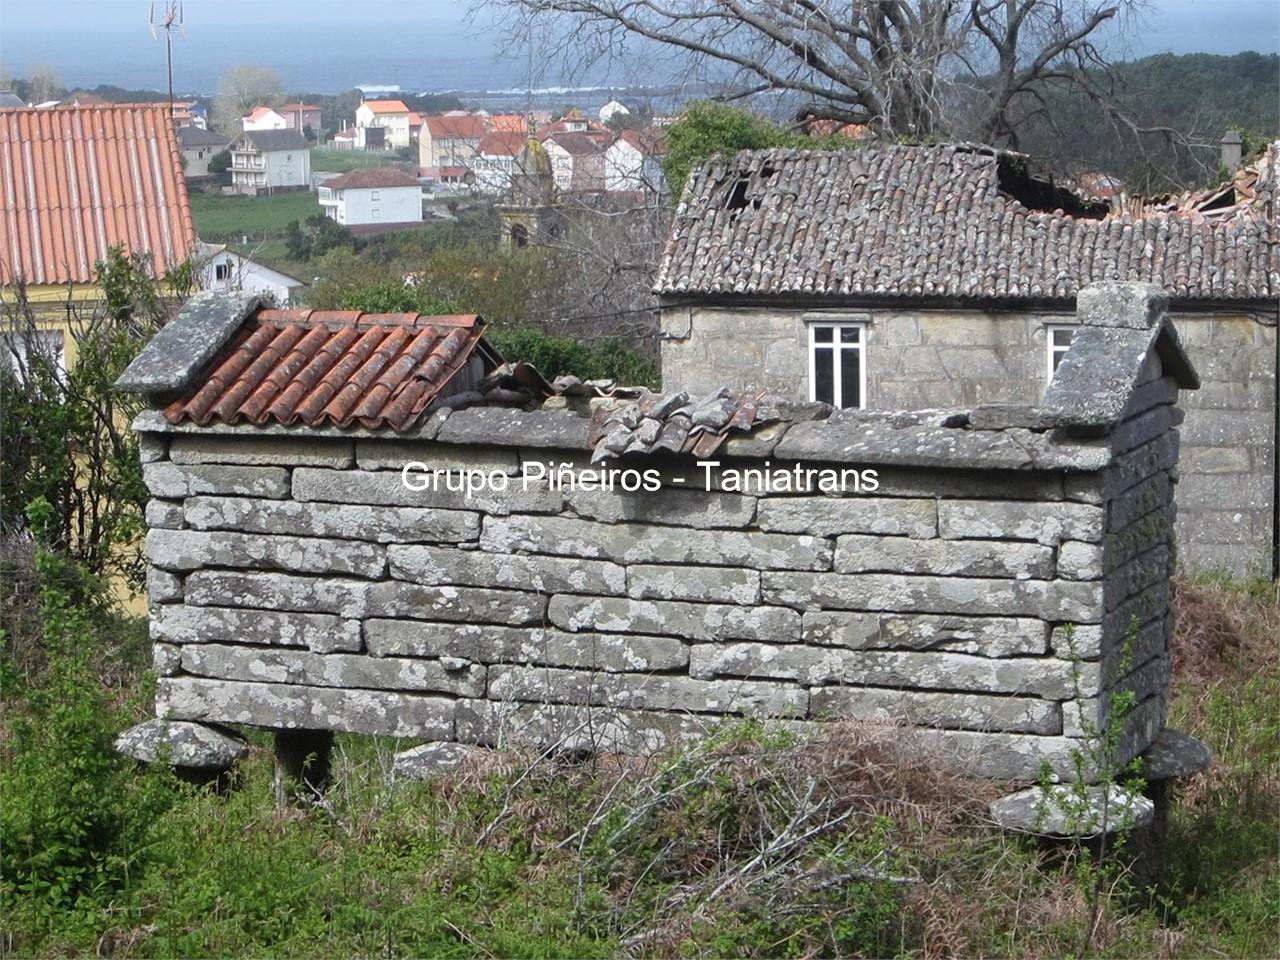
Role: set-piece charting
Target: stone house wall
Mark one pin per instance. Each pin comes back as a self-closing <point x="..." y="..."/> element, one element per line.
<point x="952" y="358"/>
<point x="296" y="582"/>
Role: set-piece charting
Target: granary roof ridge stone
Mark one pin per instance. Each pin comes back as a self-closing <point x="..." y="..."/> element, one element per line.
<point x="954" y="221"/>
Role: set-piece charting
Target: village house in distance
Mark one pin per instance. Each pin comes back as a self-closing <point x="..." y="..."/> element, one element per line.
<point x="264" y="161"/>
<point x="909" y="277"/>
<point x="371" y="199"/>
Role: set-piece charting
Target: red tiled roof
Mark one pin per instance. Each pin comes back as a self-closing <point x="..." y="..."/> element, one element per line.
<point x="502" y="143"/>
<point x="467" y="127"/>
<point x="372" y="177"/>
<point x="508" y="123"/>
<point x="295" y="107"/>
<point x="576" y="143"/>
<point x="257" y="113"/>
<point x="386" y="106"/>
<point x="76" y="181"/>
<point x="330" y="368"/>
<point x="649" y="141"/>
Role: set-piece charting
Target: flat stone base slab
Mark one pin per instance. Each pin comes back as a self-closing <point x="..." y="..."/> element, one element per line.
<point x="1174" y="755"/>
<point x="181" y="744"/>
<point x="1053" y="813"/>
<point x="431" y="760"/>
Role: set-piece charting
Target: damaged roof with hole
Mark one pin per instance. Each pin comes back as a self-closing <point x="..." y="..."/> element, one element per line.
<point x="956" y="222"/>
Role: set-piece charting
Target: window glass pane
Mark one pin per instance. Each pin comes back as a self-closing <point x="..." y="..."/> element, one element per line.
<point x="849" y="334"/>
<point x="1062" y="336"/>
<point x="823" y="375"/>
<point x="850" y="381"/>
<point x="823" y="334"/>
<point x="1057" y="357"/>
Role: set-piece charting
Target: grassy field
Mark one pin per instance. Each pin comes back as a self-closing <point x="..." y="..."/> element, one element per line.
<point x="341" y="161"/>
<point x="221" y="219"/>
<point x="757" y="845"/>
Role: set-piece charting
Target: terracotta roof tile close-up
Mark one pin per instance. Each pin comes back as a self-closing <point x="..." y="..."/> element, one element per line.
<point x="956" y="222"/>
<point x="77" y="181"/>
<point x="334" y="368"/>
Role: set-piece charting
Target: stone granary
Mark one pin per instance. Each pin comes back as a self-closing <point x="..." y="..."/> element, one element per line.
<point x="910" y="277"/>
<point x="988" y="575"/>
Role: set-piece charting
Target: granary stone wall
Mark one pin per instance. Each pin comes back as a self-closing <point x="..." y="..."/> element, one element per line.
<point x="981" y="588"/>
<point x="943" y="358"/>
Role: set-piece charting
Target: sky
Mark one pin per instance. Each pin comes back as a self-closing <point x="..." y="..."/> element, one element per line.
<point x="331" y="45"/>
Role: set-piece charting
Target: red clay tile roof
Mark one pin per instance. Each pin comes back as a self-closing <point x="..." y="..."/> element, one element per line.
<point x="386" y="106"/>
<point x="76" y="181"/>
<point x="508" y="123"/>
<point x="502" y="143"/>
<point x="468" y="127"/>
<point x="331" y="368"/>
<point x="257" y="113"/>
<point x="957" y="222"/>
<point x="372" y="177"/>
<point x="649" y="141"/>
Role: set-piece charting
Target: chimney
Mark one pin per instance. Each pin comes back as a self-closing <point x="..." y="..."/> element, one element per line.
<point x="1232" y="150"/>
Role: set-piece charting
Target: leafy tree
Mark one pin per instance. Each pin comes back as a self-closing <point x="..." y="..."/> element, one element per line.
<point x="241" y="88"/>
<point x="220" y="163"/>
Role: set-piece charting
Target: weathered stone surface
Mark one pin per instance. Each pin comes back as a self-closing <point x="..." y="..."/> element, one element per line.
<point x="165" y="479"/>
<point x="1174" y="755"/>
<point x="701" y="621"/>
<point x="1049" y="600"/>
<point x="166" y="659"/>
<point x="1080" y="561"/>
<point x="701" y="584"/>
<point x="1059" y="811"/>
<point x="187" y="342"/>
<point x="387" y="488"/>
<point x="370" y="523"/>
<point x="277" y="591"/>
<point x="494" y="644"/>
<point x="1132" y="578"/>
<point x="1048" y="523"/>
<point x="1087" y="717"/>
<point x="962" y="711"/>
<point x="1144" y="428"/>
<point x="832" y="515"/>
<point x="163" y="587"/>
<point x="164" y="513"/>
<point x="1046" y="678"/>
<point x="968" y="484"/>
<point x="1143" y="534"/>
<point x="985" y="636"/>
<point x="394" y="454"/>
<point x="289" y="707"/>
<point x="1095" y="379"/>
<point x="440" y="565"/>
<point x="431" y="760"/>
<point x="1071" y="641"/>
<point x="181" y="744"/>
<point x="652" y="691"/>
<point x="1121" y="303"/>
<point x="571" y="727"/>
<point x="555" y="429"/>
<point x="463" y="604"/>
<point x="262" y="451"/>
<point x="193" y="549"/>
<point x="318" y="632"/>
<point x="283" y="665"/>
<point x="858" y="553"/>
<point x="1151" y="494"/>
<point x="693" y="508"/>
<point x="152" y="447"/>
<point x="637" y="543"/>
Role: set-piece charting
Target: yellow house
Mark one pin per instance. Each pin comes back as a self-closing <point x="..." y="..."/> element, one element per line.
<point x="75" y="182"/>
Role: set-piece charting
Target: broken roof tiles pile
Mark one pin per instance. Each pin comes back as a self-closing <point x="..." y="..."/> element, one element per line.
<point x="952" y="221"/>
<point x="673" y="422"/>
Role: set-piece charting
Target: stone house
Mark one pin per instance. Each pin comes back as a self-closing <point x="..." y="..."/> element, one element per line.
<point x="269" y="160"/>
<point x="981" y="591"/>
<point x="940" y="276"/>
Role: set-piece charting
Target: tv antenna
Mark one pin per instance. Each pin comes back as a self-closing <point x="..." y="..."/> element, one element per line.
<point x="167" y="18"/>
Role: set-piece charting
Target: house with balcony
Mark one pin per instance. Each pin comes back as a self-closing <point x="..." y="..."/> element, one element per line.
<point x="495" y="162"/>
<point x="382" y="125"/>
<point x="266" y="161"/>
<point x="375" y="198"/>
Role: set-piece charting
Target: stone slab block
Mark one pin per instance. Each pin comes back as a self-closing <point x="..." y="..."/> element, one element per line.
<point x="166" y="659"/>
<point x="461" y="604"/>
<point x="318" y="632"/>
<point x="388" y="488"/>
<point x="169" y="480"/>
<point x="858" y="553"/>
<point x="983" y="636"/>
<point x="1059" y="811"/>
<point x="955" y="711"/>
<point x="690" y="508"/>
<point x="441" y="565"/>
<point x="1080" y="561"/>
<point x="569" y="727"/>
<point x="394" y="454"/>
<point x="182" y="744"/>
<point x="699" y="584"/>
<point x="1047" y="523"/>
<point x="833" y="515"/>
<point x="701" y="621"/>
<point x="163" y="513"/>
<point x="193" y="549"/>
<point x="162" y="586"/>
<point x="355" y="521"/>
<point x="261" y="451"/>
<point x="277" y="591"/>
<point x="637" y="543"/>
<point x="347" y="670"/>
<point x="430" y="760"/>
<point x="291" y="707"/>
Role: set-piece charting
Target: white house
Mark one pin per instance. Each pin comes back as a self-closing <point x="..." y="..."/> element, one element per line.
<point x="267" y="160"/>
<point x="263" y="118"/>
<point x="577" y="161"/>
<point x="382" y="124"/>
<point x="221" y="268"/>
<point x="613" y="109"/>
<point x="495" y="161"/>
<point x="374" y="195"/>
<point x="634" y="162"/>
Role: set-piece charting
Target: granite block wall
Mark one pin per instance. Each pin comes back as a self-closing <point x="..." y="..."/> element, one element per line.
<point x="983" y="594"/>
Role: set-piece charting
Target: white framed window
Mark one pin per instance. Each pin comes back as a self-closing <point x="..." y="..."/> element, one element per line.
<point x="837" y="363"/>
<point x="1057" y="338"/>
<point x="377" y="214"/>
<point x="222" y="271"/>
<point x="375" y="195"/>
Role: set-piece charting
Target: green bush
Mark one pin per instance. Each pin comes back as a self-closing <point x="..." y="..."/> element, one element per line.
<point x="554" y="356"/>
